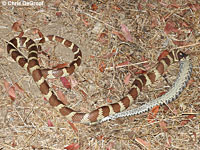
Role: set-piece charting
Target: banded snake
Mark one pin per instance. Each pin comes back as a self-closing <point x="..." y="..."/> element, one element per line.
<point x="103" y="113"/>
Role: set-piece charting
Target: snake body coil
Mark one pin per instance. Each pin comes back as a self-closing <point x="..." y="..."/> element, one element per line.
<point x="101" y="113"/>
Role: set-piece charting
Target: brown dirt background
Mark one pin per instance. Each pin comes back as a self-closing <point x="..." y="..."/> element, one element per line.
<point x="24" y="121"/>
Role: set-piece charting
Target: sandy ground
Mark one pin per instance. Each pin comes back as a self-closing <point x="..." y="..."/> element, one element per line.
<point x="29" y="122"/>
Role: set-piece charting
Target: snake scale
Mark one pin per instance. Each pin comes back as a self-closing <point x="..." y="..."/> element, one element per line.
<point x="173" y="93"/>
<point x="101" y="114"/>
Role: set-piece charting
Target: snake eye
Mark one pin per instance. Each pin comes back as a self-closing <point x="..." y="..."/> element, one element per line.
<point x="181" y="55"/>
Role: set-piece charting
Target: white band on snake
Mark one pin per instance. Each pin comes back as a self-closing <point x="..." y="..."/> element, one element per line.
<point x="102" y="113"/>
<point x="176" y="89"/>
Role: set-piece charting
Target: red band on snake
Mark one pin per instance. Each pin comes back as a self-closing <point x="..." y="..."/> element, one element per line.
<point x="62" y="72"/>
<point x="94" y="116"/>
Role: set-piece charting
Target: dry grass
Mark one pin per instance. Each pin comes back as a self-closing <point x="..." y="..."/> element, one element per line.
<point x="24" y="121"/>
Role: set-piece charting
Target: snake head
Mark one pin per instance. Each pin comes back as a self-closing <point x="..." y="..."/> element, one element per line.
<point x="181" y="55"/>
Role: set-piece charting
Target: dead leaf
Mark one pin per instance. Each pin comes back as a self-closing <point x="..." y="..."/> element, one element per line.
<point x="170" y="107"/>
<point x="174" y="5"/>
<point x="102" y="66"/>
<point x="126" y="33"/>
<point x="110" y="146"/>
<point x="188" y="118"/>
<point x="170" y="27"/>
<point x="160" y="94"/>
<point x="92" y="56"/>
<point x="180" y="43"/>
<point x="17" y="26"/>
<point x="154" y="22"/>
<point x="14" y="144"/>
<point x="37" y="31"/>
<point x="18" y="88"/>
<point x="195" y="136"/>
<point x="139" y="7"/>
<point x="73" y="126"/>
<point x="169" y="142"/>
<point x="162" y="3"/>
<point x="57" y="3"/>
<point x="190" y="82"/>
<point x="155" y="110"/>
<point x="109" y="55"/>
<point x="62" y="97"/>
<point x="58" y="14"/>
<point x="65" y="82"/>
<point x="73" y="81"/>
<point x="140" y="72"/>
<point x="94" y="7"/>
<point x="123" y="64"/>
<point x="21" y="34"/>
<point x="100" y="137"/>
<point x="50" y="124"/>
<point x="194" y="7"/>
<point x="103" y="38"/>
<point x="163" y="55"/>
<point x="127" y="78"/>
<point x="119" y="35"/>
<point x="109" y="100"/>
<point x="146" y="144"/>
<point x="163" y="125"/>
<point x="59" y="66"/>
<point x="85" y="20"/>
<point x="116" y="7"/>
<point x="10" y="90"/>
<point x="84" y="94"/>
<point x="153" y="114"/>
<point x="73" y="146"/>
<point x="151" y="6"/>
